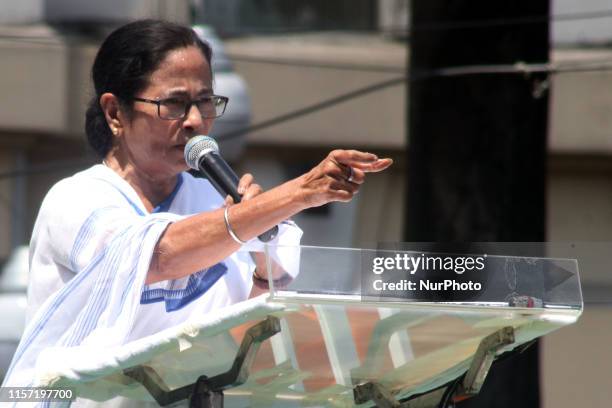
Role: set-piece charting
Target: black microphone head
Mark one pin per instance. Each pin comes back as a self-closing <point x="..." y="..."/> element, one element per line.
<point x="197" y="147"/>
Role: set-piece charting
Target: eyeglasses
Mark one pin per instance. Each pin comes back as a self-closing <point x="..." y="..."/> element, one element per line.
<point x="211" y="106"/>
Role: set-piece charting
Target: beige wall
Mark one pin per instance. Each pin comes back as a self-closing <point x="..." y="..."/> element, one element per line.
<point x="580" y="205"/>
<point x="45" y="82"/>
<point x="373" y="120"/>
<point x="581" y="105"/>
<point x="34" y="84"/>
<point x="576" y="360"/>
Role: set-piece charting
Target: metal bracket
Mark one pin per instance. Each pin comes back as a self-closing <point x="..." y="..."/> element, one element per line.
<point x="208" y="392"/>
<point x="470" y="386"/>
<point x="375" y="392"/>
<point x="484" y="357"/>
<point x="384" y="398"/>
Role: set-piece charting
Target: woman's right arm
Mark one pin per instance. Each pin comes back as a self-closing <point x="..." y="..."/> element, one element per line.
<point x="202" y="240"/>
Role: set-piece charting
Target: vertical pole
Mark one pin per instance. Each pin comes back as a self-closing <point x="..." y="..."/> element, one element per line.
<point x="477" y="146"/>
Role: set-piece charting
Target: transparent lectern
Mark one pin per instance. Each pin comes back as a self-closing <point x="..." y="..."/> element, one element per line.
<point x="333" y="337"/>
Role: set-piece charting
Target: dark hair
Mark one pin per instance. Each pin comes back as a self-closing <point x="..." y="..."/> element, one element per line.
<point x="123" y="65"/>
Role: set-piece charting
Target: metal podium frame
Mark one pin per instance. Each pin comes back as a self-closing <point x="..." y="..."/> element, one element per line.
<point x="208" y="392"/>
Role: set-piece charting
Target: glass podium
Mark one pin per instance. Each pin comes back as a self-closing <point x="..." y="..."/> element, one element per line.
<point x="355" y="327"/>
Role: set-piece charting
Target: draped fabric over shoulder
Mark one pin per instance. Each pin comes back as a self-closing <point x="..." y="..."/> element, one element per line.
<point x="90" y="252"/>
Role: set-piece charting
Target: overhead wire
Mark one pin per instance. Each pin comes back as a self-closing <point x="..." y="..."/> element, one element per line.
<point x="551" y="67"/>
<point x="518" y="69"/>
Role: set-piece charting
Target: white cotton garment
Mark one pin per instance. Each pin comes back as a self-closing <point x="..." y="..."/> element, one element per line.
<point x="89" y="255"/>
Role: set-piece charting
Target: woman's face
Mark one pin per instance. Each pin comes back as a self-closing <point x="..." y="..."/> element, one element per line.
<point x="154" y="145"/>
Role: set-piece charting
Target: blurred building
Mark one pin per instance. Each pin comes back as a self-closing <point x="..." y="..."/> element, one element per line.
<point x="47" y="49"/>
<point x="295" y="57"/>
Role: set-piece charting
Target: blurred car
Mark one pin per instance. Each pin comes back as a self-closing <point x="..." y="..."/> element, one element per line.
<point x="227" y="83"/>
<point x="13" y="302"/>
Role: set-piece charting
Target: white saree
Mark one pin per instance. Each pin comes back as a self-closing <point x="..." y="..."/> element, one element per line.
<point x="90" y="253"/>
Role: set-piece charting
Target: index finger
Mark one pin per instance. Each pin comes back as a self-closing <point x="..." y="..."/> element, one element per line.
<point x="367" y="162"/>
<point x="350" y="157"/>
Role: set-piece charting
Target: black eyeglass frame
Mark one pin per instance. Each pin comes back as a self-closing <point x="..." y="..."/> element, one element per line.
<point x="188" y="106"/>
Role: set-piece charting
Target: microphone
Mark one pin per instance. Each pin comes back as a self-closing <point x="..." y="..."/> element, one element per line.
<point x="202" y="154"/>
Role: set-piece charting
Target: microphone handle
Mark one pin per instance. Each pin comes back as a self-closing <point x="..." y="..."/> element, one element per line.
<point x="225" y="181"/>
<point x="220" y="175"/>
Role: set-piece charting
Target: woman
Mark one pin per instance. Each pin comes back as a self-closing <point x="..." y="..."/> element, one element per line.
<point x="136" y="244"/>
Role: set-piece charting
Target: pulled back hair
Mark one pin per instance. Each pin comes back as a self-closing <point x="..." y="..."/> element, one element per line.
<point x="123" y="65"/>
